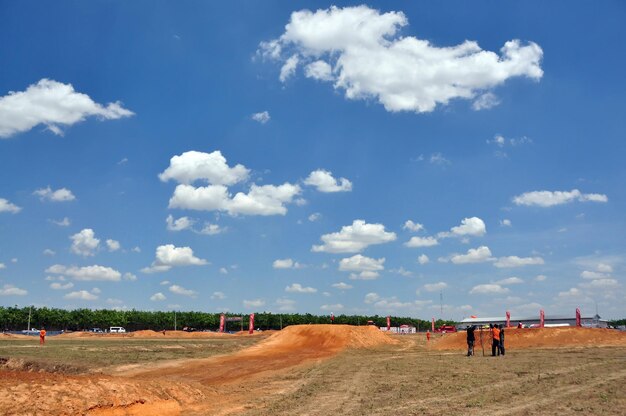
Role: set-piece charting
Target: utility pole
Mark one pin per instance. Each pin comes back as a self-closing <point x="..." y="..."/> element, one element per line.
<point x="31" y="309"/>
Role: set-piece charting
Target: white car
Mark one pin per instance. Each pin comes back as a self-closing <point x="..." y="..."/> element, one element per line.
<point x="117" y="329"/>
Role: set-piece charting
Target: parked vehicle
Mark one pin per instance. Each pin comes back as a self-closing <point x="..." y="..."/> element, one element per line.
<point x="446" y="328"/>
<point x="117" y="329"/>
<point x="97" y="330"/>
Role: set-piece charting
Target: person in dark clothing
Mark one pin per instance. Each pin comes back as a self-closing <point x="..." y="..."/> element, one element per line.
<point x="495" y="340"/>
<point x="470" y="340"/>
<point x="501" y="346"/>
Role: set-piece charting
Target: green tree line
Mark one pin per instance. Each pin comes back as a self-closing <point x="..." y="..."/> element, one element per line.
<point x="16" y="319"/>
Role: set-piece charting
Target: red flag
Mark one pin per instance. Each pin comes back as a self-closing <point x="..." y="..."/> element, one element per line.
<point x="222" y="322"/>
<point x="388" y="323"/>
<point x="578" y="318"/>
<point x="508" y="319"/>
<point x="251" y="326"/>
<point x="542" y="318"/>
<point x="332" y="318"/>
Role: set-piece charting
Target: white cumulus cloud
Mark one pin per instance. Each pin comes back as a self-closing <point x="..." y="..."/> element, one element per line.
<point x="473" y="227"/>
<point x="324" y="181"/>
<point x="354" y="238"/>
<point x="11" y="290"/>
<point x="86" y="273"/>
<point x="416" y="76"/>
<point x="168" y="256"/>
<point x="412" y="226"/>
<point x="510" y="281"/>
<point x="84" y="243"/>
<point x="209" y="167"/>
<point x="515" y="261"/>
<point x="60" y="195"/>
<point x="552" y="198"/>
<point x="359" y="263"/>
<point x="421" y="242"/>
<point x="52" y="104"/>
<point x="298" y="288"/>
<point x="113" y="245"/>
<point x="423" y="259"/>
<point x="488" y="289"/>
<point x="61" y="286"/>
<point x="180" y="224"/>
<point x="341" y="286"/>
<point x="286" y="264"/>
<point x="262" y="117"/>
<point x="179" y="290"/>
<point x="81" y="295"/>
<point x="474" y="255"/>
<point x="6" y="206"/>
<point x="435" y="287"/>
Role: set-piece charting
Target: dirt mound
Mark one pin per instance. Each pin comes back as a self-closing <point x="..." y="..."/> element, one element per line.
<point x="329" y="338"/>
<point x="293" y="345"/>
<point x="538" y="338"/>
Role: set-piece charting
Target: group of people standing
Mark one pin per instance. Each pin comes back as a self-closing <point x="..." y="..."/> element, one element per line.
<point x="497" y="339"/>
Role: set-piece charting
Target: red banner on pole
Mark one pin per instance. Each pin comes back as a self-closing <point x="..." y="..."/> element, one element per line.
<point x="432" y="326"/>
<point x="332" y="318"/>
<point x="251" y="325"/>
<point x="222" y="322"/>
<point x="542" y="318"/>
<point x="578" y="318"/>
<point x="508" y="319"/>
<point x="388" y="323"/>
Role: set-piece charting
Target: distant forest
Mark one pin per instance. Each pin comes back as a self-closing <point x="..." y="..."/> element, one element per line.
<point x="16" y="319"/>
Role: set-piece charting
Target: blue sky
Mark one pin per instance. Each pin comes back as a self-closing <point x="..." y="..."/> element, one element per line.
<point x="419" y="159"/>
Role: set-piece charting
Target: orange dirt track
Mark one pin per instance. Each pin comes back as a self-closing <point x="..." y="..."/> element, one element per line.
<point x="537" y="338"/>
<point x="226" y="385"/>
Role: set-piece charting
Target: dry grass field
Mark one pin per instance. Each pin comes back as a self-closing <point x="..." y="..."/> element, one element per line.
<point x="309" y="370"/>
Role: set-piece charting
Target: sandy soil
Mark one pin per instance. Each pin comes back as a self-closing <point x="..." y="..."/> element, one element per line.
<point x="282" y="365"/>
<point x="155" y="334"/>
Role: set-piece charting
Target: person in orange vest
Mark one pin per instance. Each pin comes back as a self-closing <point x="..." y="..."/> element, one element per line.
<point x="495" y="341"/>
<point x="42" y="336"/>
<point x="427" y="335"/>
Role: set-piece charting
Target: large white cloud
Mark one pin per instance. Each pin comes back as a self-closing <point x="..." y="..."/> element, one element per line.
<point x="86" y="273"/>
<point x="260" y="200"/>
<point x="354" y="238"/>
<point x="84" y="243"/>
<point x="10" y="290"/>
<point x="157" y="297"/>
<point x="324" y="181"/>
<point x="473" y="255"/>
<point x="210" y="167"/>
<point x="6" y="206"/>
<point x="359" y="50"/>
<point x="168" y="256"/>
<point x="52" y="104"/>
<point x="552" y="198"/>
<point x="515" y="261"/>
<point x="60" y="195"/>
